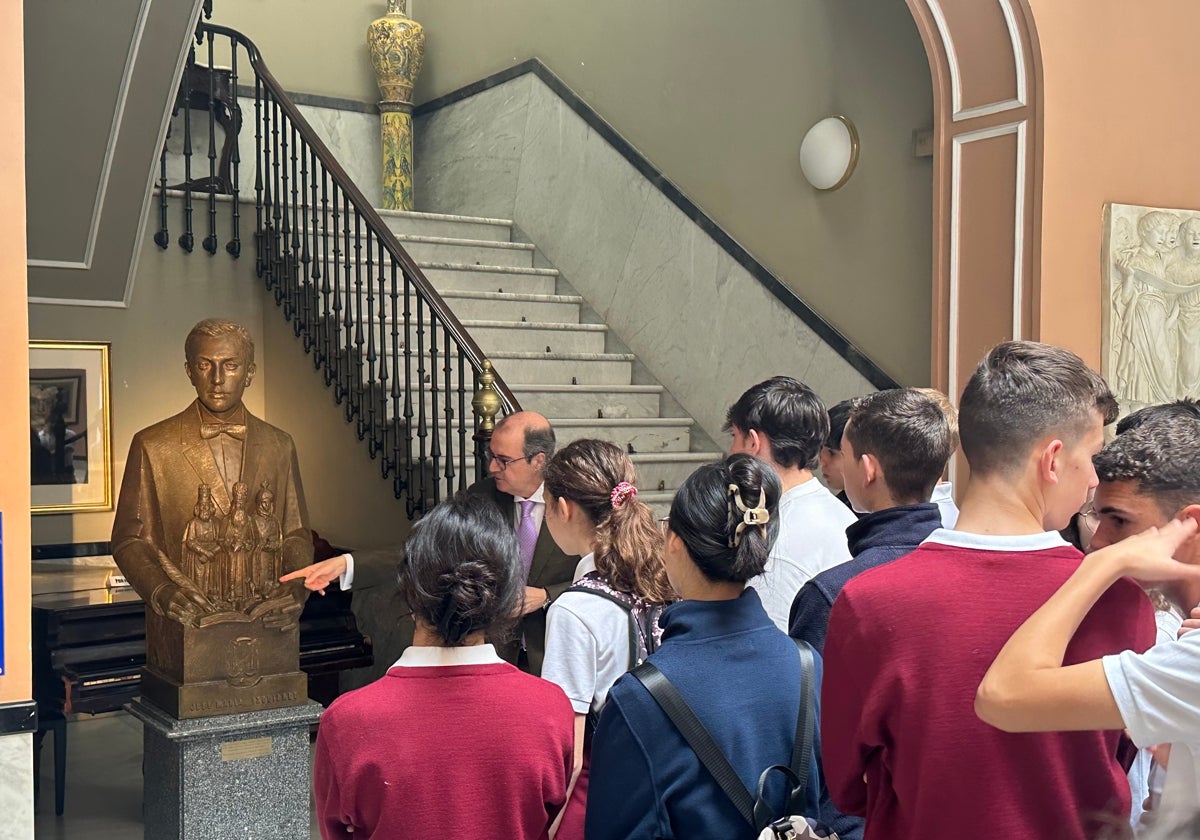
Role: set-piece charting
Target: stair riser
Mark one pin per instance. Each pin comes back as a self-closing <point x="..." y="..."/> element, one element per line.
<point x="469" y="254"/>
<point x="548" y="371"/>
<point x="489" y="281"/>
<point x="445" y="280"/>
<point x="486" y="309"/>
<point x="499" y="339"/>
<point x="449" y="228"/>
<point x="670" y="474"/>
<point x="671" y="439"/>
<point x="587" y="403"/>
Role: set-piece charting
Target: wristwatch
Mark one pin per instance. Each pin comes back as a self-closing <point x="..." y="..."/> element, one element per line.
<point x="546" y="603"/>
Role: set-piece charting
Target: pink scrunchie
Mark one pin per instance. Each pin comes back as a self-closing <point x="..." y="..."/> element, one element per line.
<point x="621" y="492"/>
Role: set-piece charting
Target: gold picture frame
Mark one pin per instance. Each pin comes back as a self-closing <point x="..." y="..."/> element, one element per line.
<point x="70" y="426"/>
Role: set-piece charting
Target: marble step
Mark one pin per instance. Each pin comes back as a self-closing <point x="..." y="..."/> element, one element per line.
<point x="659" y="502"/>
<point x="644" y="434"/>
<point x="441" y="249"/>
<point x="590" y="401"/>
<point x="462" y="277"/>
<point x="506" y="307"/>
<point x="543" y="368"/>
<point x="449" y="226"/>
<point x="669" y="469"/>
<point x="509" y="306"/>
<point x="498" y="336"/>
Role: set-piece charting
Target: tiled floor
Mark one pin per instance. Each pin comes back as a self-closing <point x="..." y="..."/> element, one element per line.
<point x="104" y="782"/>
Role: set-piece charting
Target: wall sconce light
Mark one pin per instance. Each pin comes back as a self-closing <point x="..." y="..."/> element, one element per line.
<point x="829" y="153"/>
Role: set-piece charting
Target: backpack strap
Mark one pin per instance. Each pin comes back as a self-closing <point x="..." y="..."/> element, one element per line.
<point x="698" y="738"/>
<point x="754" y="810"/>
<point x="633" y="630"/>
<point x="805" y="719"/>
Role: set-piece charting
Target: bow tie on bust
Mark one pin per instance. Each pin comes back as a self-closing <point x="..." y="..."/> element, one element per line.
<point x="237" y="431"/>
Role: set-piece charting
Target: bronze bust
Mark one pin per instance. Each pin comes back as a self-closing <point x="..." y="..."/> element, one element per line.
<point x="204" y="553"/>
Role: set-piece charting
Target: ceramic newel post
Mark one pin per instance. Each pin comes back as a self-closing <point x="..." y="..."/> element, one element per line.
<point x="397" y="46"/>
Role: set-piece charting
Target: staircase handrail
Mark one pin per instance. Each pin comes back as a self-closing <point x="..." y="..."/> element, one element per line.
<point x="370" y="215"/>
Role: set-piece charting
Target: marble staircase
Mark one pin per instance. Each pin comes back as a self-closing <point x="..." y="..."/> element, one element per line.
<point x="572" y="371"/>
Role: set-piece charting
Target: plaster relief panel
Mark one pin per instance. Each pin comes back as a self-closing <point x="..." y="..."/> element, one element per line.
<point x="1152" y="313"/>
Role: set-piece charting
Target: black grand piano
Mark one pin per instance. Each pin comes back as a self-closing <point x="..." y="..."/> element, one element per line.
<point x="89" y="646"/>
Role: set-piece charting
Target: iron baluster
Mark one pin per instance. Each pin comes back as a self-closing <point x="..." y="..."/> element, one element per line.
<point x="325" y="288"/>
<point x="304" y="272"/>
<point x="277" y="214"/>
<point x="408" y="389"/>
<point x="448" y="424"/>
<point x="422" y="428"/>
<point x="435" y="447"/>
<point x="394" y="423"/>
<point x="346" y="341"/>
<point x="293" y="275"/>
<point x="356" y="384"/>
<point x="261" y="164"/>
<point x="187" y="241"/>
<point x="462" y="420"/>
<point x="337" y="349"/>
<point x="234" y="245"/>
<point x="210" y="241"/>
<point x="314" y="252"/>
<point x="161" y="237"/>
<point x="367" y="418"/>
<point x="380" y="395"/>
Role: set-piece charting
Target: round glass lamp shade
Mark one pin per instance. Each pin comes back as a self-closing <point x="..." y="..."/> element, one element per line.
<point x="829" y="153"/>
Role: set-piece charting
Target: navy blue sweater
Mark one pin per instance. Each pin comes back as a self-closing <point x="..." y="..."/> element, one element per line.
<point x="741" y="676"/>
<point x="874" y="540"/>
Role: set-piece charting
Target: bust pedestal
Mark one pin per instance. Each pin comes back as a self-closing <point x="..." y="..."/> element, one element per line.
<point x="243" y="775"/>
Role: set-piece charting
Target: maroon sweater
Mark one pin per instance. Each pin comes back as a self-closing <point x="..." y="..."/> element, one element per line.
<point x="908" y="645"/>
<point x="429" y="753"/>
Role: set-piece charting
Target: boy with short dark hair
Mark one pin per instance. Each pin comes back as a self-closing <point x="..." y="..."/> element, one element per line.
<point x="894" y="449"/>
<point x="783" y="422"/>
<point x="908" y="642"/>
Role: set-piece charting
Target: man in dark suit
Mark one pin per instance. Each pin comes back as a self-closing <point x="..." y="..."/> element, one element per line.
<point x="521" y="445"/>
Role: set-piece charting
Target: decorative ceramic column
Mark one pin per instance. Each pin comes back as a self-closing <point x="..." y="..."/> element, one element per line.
<point x="397" y="46"/>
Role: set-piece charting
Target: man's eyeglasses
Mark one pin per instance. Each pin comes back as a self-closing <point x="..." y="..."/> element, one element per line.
<point x="504" y="462"/>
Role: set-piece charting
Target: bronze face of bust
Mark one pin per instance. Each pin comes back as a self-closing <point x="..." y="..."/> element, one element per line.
<point x="220" y="368"/>
<point x="186" y="537"/>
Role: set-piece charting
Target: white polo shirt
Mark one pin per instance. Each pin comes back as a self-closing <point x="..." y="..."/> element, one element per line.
<point x="1158" y="695"/>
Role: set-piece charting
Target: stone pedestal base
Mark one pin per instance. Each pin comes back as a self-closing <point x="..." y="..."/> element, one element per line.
<point x="243" y="775"/>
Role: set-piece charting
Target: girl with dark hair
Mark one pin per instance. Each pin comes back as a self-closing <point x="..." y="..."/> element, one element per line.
<point x="736" y="670"/>
<point x="452" y="733"/>
<point x="596" y="628"/>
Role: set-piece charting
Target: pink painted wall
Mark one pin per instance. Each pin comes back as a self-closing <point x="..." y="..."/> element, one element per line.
<point x="16" y="684"/>
<point x="1120" y="125"/>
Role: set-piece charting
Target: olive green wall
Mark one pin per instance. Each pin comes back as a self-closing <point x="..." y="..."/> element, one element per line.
<point x="718" y="96"/>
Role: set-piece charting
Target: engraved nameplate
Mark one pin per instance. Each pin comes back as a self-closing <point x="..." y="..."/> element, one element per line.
<point x="248" y="748"/>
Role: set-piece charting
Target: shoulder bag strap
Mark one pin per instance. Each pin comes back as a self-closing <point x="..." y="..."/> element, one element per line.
<point x="698" y="738"/>
<point x="633" y="630"/>
<point x="805" y="719"/>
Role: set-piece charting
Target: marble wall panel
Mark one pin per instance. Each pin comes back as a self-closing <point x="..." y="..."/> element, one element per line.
<point x="699" y="322"/>
<point x="577" y="198"/>
<point x="468" y="155"/>
<point x="16" y="786"/>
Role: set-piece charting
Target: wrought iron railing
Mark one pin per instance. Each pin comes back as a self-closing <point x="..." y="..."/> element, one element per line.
<point x="389" y="347"/>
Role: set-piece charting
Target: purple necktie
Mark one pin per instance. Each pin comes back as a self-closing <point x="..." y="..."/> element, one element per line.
<point x="527" y="534"/>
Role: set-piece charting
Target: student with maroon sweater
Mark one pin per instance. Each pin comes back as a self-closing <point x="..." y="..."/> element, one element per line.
<point x="452" y="737"/>
<point x="909" y="642"/>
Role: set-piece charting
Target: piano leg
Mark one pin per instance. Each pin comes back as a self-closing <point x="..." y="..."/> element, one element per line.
<point x="60" y="765"/>
<point x="38" y="738"/>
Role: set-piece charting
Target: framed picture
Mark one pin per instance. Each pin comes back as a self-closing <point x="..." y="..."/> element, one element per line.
<point x="70" y="426"/>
